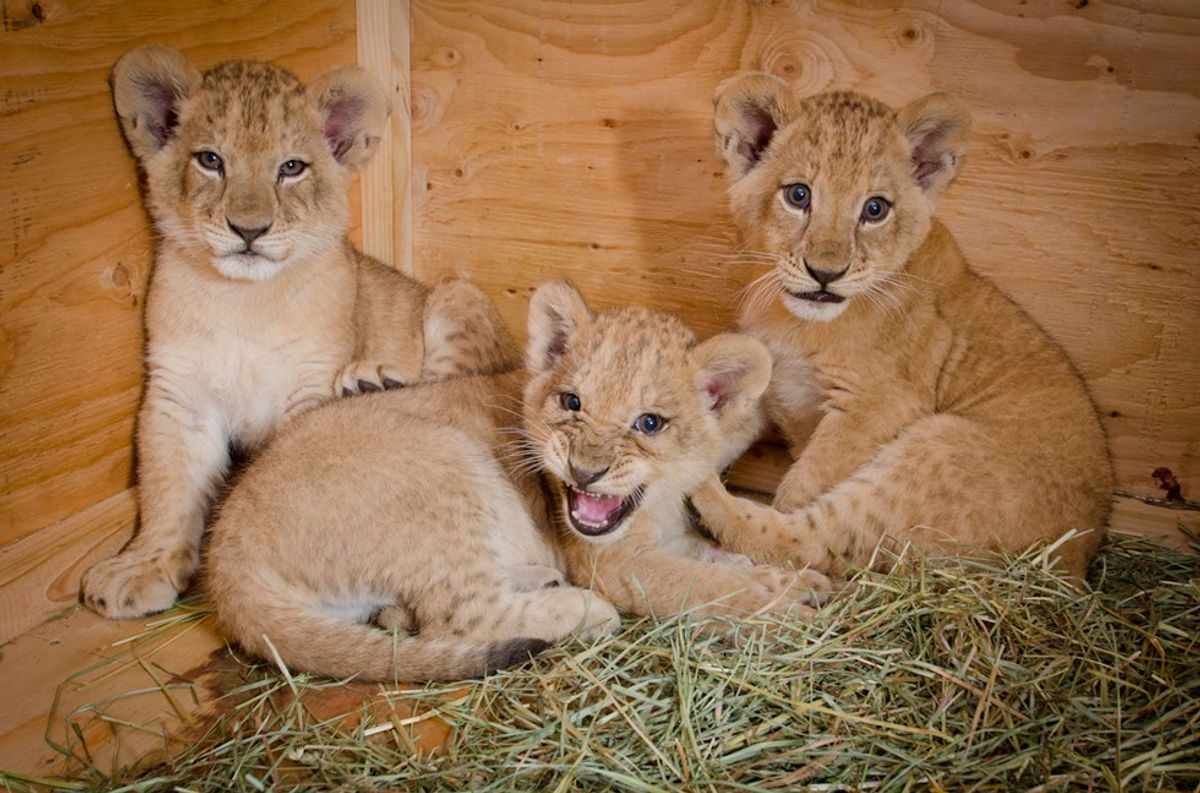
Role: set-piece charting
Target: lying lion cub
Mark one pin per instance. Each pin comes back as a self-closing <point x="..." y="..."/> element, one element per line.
<point x="397" y="507"/>
<point x="943" y="415"/>
<point x="627" y="414"/>
<point x="258" y="306"/>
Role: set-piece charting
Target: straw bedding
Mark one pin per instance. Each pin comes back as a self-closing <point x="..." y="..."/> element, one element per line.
<point x="939" y="676"/>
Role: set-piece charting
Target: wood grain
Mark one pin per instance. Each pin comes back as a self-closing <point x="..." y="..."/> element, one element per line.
<point x="98" y="671"/>
<point x="39" y="574"/>
<point x="130" y="694"/>
<point x="76" y="247"/>
<point x="556" y="139"/>
<point x="383" y="50"/>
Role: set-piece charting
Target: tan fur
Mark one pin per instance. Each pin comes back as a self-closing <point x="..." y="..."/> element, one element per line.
<point x="239" y="343"/>
<point x="392" y="508"/>
<point x="437" y="511"/>
<point x="943" y="415"/>
<point x="622" y="364"/>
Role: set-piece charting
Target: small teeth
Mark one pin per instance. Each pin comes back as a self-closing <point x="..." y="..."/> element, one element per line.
<point x="588" y="523"/>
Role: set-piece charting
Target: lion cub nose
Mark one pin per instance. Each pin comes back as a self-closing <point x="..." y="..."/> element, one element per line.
<point x="583" y="477"/>
<point x="248" y="235"/>
<point x="824" y="277"/>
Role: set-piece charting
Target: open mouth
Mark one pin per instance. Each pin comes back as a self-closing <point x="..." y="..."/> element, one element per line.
<point x="818" y="296"/>
<point x="596" y="514"/>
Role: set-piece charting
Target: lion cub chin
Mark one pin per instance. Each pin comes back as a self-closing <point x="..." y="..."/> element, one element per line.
<point x="927" y="407"/>
<point x="258" y="307"/>
<point x="625" y="414"/>
<point x="410" y="535"/>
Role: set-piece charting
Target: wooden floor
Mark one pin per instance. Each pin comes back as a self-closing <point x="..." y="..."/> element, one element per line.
<point x="77" y="680"/>
<point x="84" y="692"/>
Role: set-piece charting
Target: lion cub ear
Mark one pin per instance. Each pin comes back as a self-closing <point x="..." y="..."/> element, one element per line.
<point x="732" y="372"/>
<point x="749" y="110"/>
<point x="936" y="127"/>
<point x="556" y="313"/>
<point x="354" y="112"/>
<point x="149" y="84"/>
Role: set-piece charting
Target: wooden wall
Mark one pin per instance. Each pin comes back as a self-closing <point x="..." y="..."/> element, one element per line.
<point x="75" y="250"/>
<point x="553" y="138"/>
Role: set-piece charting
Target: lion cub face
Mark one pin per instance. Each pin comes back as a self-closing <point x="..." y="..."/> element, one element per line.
<point x="626" y="411"/>
<point x="246" y="168"/>
<point x="835" y="189"/>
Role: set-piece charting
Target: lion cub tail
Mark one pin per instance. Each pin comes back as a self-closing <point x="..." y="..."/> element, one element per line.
<point x="308" y="641"/>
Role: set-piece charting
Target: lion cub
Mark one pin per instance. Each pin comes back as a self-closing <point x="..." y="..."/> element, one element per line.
<point x="940" y="414"/>
<point x="422" y="510"/>
<point x="626" y="414"/>
<point x="258" y="307"/>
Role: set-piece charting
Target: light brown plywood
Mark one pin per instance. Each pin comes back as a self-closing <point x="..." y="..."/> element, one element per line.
<point x="573" y="139"/>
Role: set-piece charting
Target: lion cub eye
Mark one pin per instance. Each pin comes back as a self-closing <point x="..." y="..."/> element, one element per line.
<point x="569" y="401"/>
<point x="210" y="161"/>
<point x="875" y="209"/>
<point x="292" y="168"/>
<point x="649" y="423"/>
<point x="798" y="196"/>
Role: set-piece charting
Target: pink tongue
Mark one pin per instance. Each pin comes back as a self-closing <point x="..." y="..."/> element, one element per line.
<point x="595" y="509"/>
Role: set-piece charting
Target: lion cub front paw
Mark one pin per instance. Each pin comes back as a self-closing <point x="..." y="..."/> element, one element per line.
<point x="806" y="587"/>
<point x="532" y="577"/>
<point x="596" y="616"/>
<point x="714" y="554"/>
<point x="136" y="583"/>
<point x="364" y="377"/>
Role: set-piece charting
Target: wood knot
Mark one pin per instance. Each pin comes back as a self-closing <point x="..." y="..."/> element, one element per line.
<point x="446" y="58"/>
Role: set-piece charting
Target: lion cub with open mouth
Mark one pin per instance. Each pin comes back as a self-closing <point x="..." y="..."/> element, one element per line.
<point x="626" y="415"/>
<point x="415" y="509"/>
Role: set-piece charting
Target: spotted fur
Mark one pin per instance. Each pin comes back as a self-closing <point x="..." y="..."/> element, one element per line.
<point x="925" y="407"/>
<point x="620" y="365"/>
<point x="419" y="534"/>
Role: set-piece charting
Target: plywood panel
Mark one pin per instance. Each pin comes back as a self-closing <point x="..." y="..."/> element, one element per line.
<point x="573" y="139"/>
<point x="75" y="243"/>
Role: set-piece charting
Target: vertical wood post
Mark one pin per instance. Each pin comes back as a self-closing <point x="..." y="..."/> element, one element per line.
<point x="383" y="50"/>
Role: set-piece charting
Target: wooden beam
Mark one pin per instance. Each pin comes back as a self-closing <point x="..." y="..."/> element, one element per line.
<point x="383" y="50"/>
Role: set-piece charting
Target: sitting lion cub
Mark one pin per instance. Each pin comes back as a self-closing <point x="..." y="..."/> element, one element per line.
<point x="258" y="306"/>
<point x="415" y="509"/>
<point x="943" y="415"/>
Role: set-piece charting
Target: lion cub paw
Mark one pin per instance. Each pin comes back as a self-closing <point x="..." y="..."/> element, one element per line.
<point x="714" y="554"/>
<point x="396" y="617"/>
<point x="135" y="583"/>
<point x="364" y="377"/>
<point x="532" y="577"/>
<point x="806" y="588"/>
<point x="596" y="617"/>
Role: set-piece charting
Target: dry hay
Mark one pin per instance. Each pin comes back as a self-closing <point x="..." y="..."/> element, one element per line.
<point x="946" y="676"/>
